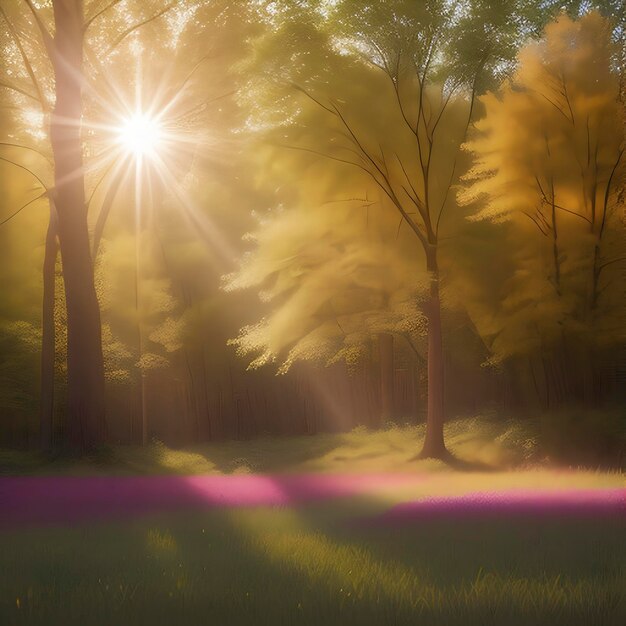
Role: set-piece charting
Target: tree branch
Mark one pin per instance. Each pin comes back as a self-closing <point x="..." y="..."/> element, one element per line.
<point x="48" y="41"/>
<point x="558" y="206"/>
<point x="311" y="97"/>
<point x="17" y="145"/>
<point x="20" y="90"/>
<point x="134" y="27"/>
<point x="606" y="263"/>
<point x="94" y="17"/>
<point x="25" y="169"/>
<point x="10" y="217"/>
<point x="607" y="191"/>
<point x="385" y="184"/>
<point x="543" y="232"/>
<point x="27" y="64"/>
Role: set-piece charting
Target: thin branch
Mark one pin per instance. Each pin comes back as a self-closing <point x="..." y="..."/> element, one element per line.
<point x="556" y="106"/>
<point x="385" y="66"/>
<point x="361" y="147"/>
<point x="407" y="337"/>
<point x="417" y="201"/>
<point x="95" y="16"/>
<point x="399" y="227"/>
<point x="445" y="197"/>
<point x="193" y="70"/>
<point x="558" y="206"/>
<point x="20" y="90"/>
<point x="607" y="191"/>
<point x="27" y="64"/>
<point x="566" y="95"/>
<point x="543" y="232"/>
<point x="134" y="27"/>
<point x="104" y="175"/>
<point x="17" y="145"/>
<point x="406" y="175"/>
<point x="417" y="135"/>
<point x="562" y="208"/>
<point x="311" y="97"/>
<point x="48" y="42"/>
<point x="25" y="169"/>
<point x="365" y="200"/>
<point x="381" y="184"/>
<point x="438" y="119"/>
<point x="10" y="217"/>
<point x="472" y="102"/>
<point x="385" y="184"/>
<point x="603" y="265"/>
<point x="322" y="154"/>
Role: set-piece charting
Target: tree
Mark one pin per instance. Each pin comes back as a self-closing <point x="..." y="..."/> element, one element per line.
<point x="64" y="53"/>
<point x="549" y="160"/>
<point x="388" y="90"/>
<point x="86" y="421"/>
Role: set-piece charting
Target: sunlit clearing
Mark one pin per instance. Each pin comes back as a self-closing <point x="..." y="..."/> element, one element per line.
<point x="140" y="135"/>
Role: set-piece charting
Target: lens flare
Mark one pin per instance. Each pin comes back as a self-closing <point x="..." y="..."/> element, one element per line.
<point x="140" y="135"/>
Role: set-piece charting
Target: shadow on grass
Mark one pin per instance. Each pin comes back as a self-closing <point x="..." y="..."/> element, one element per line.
<point x="460" y="465"/>
<point x="302" y="564"/>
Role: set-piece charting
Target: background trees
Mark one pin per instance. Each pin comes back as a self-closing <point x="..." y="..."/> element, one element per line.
<point x="334" y="134"/>
<point x="387" y="90"/>
<point x="549" y="160"/>
<point x="62" y="124"/>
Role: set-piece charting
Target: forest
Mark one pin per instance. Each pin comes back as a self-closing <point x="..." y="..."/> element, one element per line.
<point x="361" y="198"/>
<point x="296" y="237"/>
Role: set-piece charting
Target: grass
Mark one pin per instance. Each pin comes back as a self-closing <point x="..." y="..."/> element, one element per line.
<point x="317" y="564"/>
<point x="500" y="443"/>
<point x="312" y="566"/>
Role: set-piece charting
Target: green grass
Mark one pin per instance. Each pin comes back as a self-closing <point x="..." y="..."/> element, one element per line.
<point x="487" y="440"/>
<point x="500" y="443"/>
<point x="310" y="566"/>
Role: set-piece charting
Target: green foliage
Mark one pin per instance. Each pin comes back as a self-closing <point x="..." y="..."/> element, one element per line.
<point x="19" y="348"/>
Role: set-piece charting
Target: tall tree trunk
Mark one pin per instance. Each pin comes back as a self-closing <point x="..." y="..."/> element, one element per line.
<point x="85" y="368"/>
<point x="434" y="446"/>
<point x="385" y="356"/>
<point x="48" y="332"/>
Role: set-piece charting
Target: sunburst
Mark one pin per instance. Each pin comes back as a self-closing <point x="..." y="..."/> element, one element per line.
<point x="140" y="135"/>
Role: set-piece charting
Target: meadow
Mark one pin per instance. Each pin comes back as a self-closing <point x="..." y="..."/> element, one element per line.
<point x="317" y="555"/>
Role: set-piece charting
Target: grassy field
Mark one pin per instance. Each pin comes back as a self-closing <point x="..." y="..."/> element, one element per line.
<point x="324" y="563"/>
<point x="312" y="565"/>
<point x="497" y="443"/>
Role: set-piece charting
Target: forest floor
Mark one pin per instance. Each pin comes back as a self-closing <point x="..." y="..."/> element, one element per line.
<point x="333" y="537"/>
<point x="483" y="442"/>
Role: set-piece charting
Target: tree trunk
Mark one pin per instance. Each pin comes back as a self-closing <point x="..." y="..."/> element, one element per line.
<point x="385" y="356"/>
<point x="48" y="332"/>
<point x="434" y="446"/>
<point x="85" y="367"/>
<point x="417" y="391"/>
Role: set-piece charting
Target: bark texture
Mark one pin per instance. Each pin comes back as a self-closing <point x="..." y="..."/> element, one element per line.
<point x="385" y="349"/>
<point x="85" y="426"/>
<point x="434" y="446"/>
<point x="48" y="333"/>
